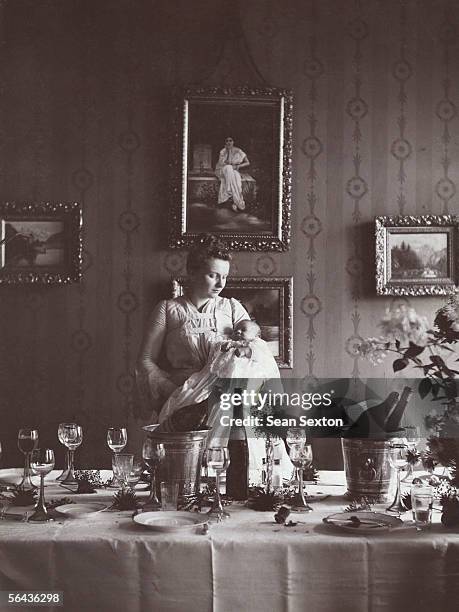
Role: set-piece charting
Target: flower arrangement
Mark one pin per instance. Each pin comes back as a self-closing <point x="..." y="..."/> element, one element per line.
<point x="432" y="350"/>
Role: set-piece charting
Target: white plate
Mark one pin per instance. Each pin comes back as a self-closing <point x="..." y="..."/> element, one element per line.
<point x="167" y="522"/>
<point x="362" y="522"/>
<point x="80" y="510"/>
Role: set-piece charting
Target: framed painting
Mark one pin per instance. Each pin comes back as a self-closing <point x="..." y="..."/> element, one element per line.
<point x="231" y="167"/>
<point x="416" y="255"/>
<point x="40" y="243"/>
<point x="267" y="300"/>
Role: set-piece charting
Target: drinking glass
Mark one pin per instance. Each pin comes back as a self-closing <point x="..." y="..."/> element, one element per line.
<point x="27" y="442"/>
<point x="421" y="504"/>
<point x="136" y="472"/>
<point x="41" y="463"/>
<point x="301" y="456"/>
<point x="398" y="458"/>
<point x="122" y="467"/>
<point x="153" y="454"/>
<point x="72" y="436"/>
<point x="65" y="471"/>
<point x="217" y="458"/>
<point x="116" y="440"/>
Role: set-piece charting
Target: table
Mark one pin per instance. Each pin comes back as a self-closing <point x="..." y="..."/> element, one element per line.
<point x="106" y="562"/>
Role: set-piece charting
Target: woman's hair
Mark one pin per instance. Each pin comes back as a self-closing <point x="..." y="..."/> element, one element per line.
<point x="207" y="247"/>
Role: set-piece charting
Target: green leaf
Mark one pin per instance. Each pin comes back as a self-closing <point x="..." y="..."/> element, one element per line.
<point x="425" y="386"/>
<point x="397" y="344"/>
<point x="399" y="364"/>
<point x="413" y="351"/>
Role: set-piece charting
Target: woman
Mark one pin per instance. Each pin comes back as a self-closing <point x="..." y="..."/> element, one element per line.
<point x="230" y="160"/>
<point x="179" y="329"/>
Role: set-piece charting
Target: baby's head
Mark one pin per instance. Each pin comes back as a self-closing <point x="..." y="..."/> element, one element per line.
<point x="246" y="330"/>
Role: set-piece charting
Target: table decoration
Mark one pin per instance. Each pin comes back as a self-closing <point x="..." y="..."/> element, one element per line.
<point x="24" y="497"/>
<point x="125" y="499"/>
<point x="410" y="338"/>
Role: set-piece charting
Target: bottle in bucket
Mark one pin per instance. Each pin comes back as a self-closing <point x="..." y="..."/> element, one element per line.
<point x="237" y="473"/>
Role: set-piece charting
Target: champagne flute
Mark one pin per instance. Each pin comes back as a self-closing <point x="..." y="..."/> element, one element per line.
<point x="72" y="435"/>
<point x="398" y="460"/>
<point x="217" y="458"/>
<point x="27" y="442"/>
<point x="153" y="454"/>
<point x="116" y="440"/>
<point x="41" y="463"/>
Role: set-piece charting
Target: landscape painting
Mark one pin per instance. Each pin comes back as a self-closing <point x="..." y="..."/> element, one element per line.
<point x="416" y="255"/>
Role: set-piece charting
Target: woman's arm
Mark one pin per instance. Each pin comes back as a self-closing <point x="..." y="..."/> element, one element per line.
<point x="245" y="162"/>
<point x="153" y="382"/>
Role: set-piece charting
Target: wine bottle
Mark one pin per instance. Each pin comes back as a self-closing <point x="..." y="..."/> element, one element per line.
<point x="395" y="416"/>
<point x="237" y="473"/>
<point x="188" y="418"/>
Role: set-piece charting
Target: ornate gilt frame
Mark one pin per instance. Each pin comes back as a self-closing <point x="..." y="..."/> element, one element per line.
<point x="285" y="287"/>
<point x="423" y="224"/>
<point x="31" y="214"/>
<point x="278" y="239"/>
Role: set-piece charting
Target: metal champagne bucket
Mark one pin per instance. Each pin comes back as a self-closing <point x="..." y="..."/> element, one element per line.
<point x="183" y="458"/>
<point x="367" y="467"/>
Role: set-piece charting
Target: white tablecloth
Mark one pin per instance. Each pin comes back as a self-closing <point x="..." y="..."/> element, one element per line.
<point x="106" y="562"/>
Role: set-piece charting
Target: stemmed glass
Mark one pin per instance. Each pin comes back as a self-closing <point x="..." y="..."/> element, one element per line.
<point x="300" y="454"/>
<point x="72" y="436"/>
<point x="65" y="471"/>
<point x="398" y="458"/>
<point x="217" y="458"/>
<point x="136" y="472"/>
<point x="116" y="440"/>
<point x="153" y="454"/>
<point x="27" y="442"/>
<point x="41" y="463"/>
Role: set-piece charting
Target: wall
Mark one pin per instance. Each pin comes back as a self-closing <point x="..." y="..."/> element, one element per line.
<point x="85" y="115"/>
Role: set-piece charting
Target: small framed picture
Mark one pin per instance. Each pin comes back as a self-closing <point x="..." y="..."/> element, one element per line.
<point x="40" y="243"/>
<point x="270" y="302"/>
<point x="416" y="255"/>
<point x="231" y="167"/>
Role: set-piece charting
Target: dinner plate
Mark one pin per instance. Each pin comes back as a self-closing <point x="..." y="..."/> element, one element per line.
<point x="362" y="522"/>
<point x="167" y="522"/>
<point x="80" y="510"/>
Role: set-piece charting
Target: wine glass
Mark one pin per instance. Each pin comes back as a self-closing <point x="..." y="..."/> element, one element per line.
<point x="72" y="436"/>
<point x="65" y="471"/>
<point x="398" y="458"/>
<point x="217" y="458"/>
<point x="122" y="467"/>
<point x="116" y="440"/>
<point x="41" y="463"/>
<point x="27" y="441"/>
<point x="301" y="456"/>
<point x="153" y="454"/>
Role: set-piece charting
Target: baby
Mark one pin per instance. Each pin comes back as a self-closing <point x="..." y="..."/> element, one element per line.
<point x="243" y="355"/>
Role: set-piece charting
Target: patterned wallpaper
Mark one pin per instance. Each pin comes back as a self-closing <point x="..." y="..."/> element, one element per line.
<point x="85" y="101"/>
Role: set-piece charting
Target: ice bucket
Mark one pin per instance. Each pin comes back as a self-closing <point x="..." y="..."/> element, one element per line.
<point x="367" y="467"/>
<point x="183" y="457"/>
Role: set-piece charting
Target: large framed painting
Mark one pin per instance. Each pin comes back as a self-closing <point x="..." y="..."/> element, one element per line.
<point x="416" y="255"/>
<point x="268" y="300"/>
<point x="231" y="167"/>
<point x="40" y="243"/>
